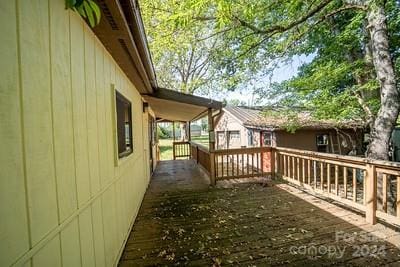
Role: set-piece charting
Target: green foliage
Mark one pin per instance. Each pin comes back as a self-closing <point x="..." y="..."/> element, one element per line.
<point x="163" y="133"/>
<point x="186" y="51"/>
<point x="88" y="9"/>
<point x="338" y="83"/>
<point x="290" y="117"/>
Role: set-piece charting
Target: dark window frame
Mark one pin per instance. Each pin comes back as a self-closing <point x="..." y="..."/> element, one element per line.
<point x="124" y="130"/>
<point x="322" y="147"/>
<point x="264" y="139"/>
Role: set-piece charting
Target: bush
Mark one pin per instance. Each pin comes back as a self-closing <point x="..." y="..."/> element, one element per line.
<point x="163" y="133"/>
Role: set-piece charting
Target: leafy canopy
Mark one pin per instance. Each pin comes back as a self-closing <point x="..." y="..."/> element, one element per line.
<point x="254" y="36"/>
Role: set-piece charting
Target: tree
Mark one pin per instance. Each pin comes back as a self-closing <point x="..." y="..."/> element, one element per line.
<point x="355" y="47"/>
<point x="182" y="52"/>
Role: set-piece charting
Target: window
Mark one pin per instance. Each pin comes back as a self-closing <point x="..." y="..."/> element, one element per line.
<point x="221" y="142"/>
<point x="322" y="142"/>
<point x="267" y="138"/>
<point x="250" y="138"/>
<point x="124" y="125"/>
<point x="234" y="139"/>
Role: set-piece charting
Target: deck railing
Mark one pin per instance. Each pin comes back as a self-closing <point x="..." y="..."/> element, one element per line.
<point x="242" y="162"/>
<point x="370" y="186"/>
<point x="181" y="149"/>
<point x="367" y="185"/>
<point x="202" y="155"/>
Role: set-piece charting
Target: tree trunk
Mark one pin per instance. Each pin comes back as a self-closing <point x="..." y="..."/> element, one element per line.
<point x="389" y="108"/>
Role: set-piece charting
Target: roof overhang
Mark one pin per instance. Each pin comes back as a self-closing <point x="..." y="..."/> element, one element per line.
<point x="175" y="106"/>
<point x="122" y="33"/>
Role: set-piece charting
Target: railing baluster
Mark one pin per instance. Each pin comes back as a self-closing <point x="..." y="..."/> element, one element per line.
<point x="247" y="164"/>
<point x="284" y="166"/>
<point x="293" y="169"/>
<point x="384" y="192"/>
<point x="364" y="187"/>
<point x="308" y="171"/>
<point x="242" y="164"/>
<point x="328" y="175"/>
<point x="237" y="164"/>
<point x="322" y="176"/>
<point x="233" y="165"/>
<point x="345" y="181"/>
<point x="298" y="169"/>
<point x="315" y="174"/>
<point x="398" y="198"/>
<point x="252" y="164"/>
<point x="337" y="180"/>
<point x="221" y="165"/>
<point x="354" y="185"/>
<point x="303" y="170"/>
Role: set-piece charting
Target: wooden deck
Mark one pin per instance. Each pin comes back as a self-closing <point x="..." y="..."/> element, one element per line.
<point x="183" y="221"/>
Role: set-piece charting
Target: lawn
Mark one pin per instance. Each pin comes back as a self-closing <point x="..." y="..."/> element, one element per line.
<point x="202" y="140"/>
<point x="165" y="149"/>
<point x="166" y="146"/>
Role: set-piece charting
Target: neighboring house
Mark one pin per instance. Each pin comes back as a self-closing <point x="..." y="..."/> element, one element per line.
<point x="395" y="145"/>
<point x="77" y="119"/>
<point x="195" y="130"/>
<point x="247" y="127"/>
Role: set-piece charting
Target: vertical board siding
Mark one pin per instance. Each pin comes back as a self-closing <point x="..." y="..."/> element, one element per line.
<point x="91" y="115"/>
<point x="70" y="245"/>
<point x="37" y="114"/>
<point x="62" y="109"/>
<point x="79" y="109"/>
<point x="86" y="238"/>
<point x="98" y="233"/>
<point x="101" y="131"/>
<point x="49" y="255"/>
<point x="14" y="238"/>
<point x="64" y="200"/>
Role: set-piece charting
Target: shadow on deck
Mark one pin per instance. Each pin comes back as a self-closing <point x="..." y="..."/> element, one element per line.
<point x="183" y="221"/>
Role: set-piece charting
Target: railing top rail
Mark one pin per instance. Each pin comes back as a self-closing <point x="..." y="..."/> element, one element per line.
<point x="243" y="150"/>
<point x="201" y="147"/>
<point x="180" y="142"/>
<point x="341" y="158"/>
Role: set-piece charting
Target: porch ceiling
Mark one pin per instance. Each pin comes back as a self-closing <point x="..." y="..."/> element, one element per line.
<point x="174" y="106"/>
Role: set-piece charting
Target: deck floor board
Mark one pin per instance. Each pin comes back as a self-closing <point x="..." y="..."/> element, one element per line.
<point x="183" y="221"/>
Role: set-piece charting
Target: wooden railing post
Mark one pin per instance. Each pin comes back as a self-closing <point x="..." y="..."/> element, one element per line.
<point x="370" y="193"/>
<point x="173" y="150"/>
<point x="197" y="154"/>
<point x="272" y="162"/>
<point x="398" y="198"/>
<point x="212" y="168"/>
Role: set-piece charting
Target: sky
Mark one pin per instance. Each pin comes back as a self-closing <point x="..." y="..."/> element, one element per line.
<point x="283" y="72"/>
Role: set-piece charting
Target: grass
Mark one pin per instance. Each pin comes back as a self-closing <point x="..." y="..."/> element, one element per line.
<point x="166" y="146"/>
<point x="202" y="140"/>
<point x="165" y="149"/>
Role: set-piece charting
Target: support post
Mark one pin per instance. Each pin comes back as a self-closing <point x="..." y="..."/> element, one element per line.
<point x="173" y="131"/>
<point x="212" y="169"/>
<point x="173" y="140"/>
<point x="272" y="162"/>
<point x="189" y="135"/>
<point x="197" y="154"/>
<point x="211" y="138"/>
<point x="211" y="133"/>
<point x="370" y="193"/>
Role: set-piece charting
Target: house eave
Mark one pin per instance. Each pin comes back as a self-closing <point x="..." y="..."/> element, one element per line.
<point x="126" y="42"/>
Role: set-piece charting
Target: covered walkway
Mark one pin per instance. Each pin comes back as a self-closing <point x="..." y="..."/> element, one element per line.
<point x="183" y="221"/>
